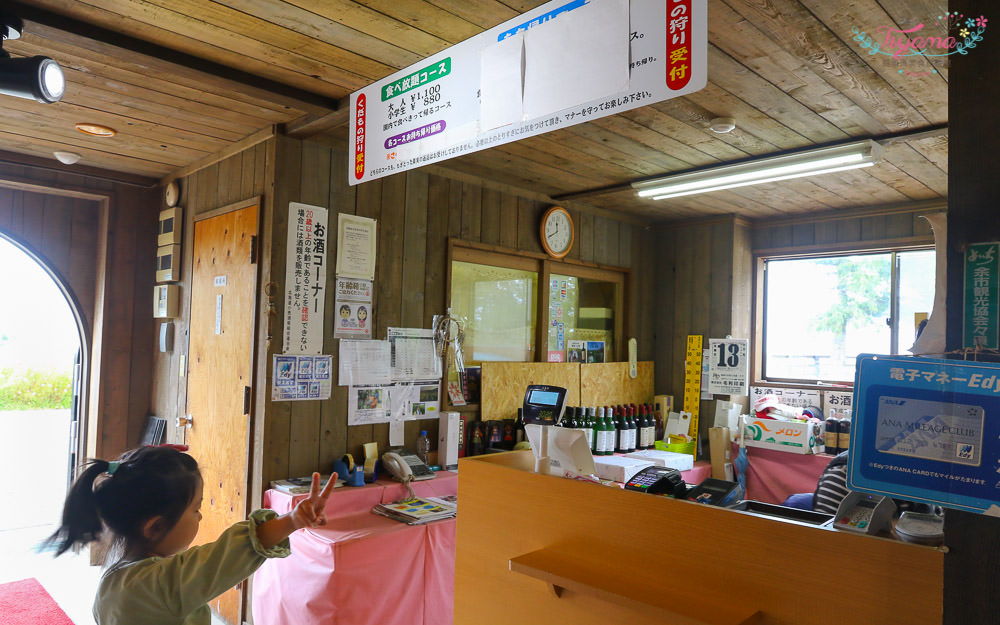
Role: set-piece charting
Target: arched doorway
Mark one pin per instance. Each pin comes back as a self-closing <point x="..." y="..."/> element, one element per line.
<point x="42" y="356"/>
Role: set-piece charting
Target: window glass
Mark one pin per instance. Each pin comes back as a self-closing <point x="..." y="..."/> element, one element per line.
<point x="916" y="294"/>
<point x="581" y="319"/>
<point x="498" y="305"/>
<point x="820" y="313"/>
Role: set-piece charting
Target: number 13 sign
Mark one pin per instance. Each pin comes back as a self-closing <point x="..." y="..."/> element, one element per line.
<point x="728" y="366"/>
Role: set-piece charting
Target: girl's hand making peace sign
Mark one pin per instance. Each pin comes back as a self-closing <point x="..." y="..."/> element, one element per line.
<point x="311" y="511"/>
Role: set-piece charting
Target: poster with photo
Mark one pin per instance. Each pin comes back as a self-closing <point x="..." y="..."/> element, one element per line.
<point x="354" y="309"/>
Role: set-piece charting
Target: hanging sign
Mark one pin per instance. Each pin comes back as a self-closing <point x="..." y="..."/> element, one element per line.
<point x="982" y="306"/>
<point x="795" y="397"/>
<point x="563" y="63"/>
<point x="305" y="279"/>
<point x="926" y="429"/>
<point x="728" y="373"/>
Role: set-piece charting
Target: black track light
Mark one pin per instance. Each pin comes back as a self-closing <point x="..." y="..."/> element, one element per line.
<point x="38" y="77"/>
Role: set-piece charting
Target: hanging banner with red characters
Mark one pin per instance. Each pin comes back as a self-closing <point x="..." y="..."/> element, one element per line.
<point x="563" y="63"/>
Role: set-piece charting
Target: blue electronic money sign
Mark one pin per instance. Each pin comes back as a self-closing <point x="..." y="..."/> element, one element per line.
<point x="927" y="430"/>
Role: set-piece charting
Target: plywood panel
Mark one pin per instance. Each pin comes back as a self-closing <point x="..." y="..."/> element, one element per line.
<point x="504" y="383"/>
<point x="895" y="582"/>
<point x="609" y="384"/>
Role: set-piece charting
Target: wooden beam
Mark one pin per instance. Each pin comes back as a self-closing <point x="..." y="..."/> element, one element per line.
<point x="307" y="127"/>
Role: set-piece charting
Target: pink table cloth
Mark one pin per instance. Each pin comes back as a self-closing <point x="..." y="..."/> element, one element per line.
<point x="774" y="475"/>
<point x="361" y="568"/>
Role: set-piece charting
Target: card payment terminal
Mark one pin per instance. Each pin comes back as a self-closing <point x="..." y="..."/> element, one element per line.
<point x="657" y="480"/>
<point x="544" y="404"/>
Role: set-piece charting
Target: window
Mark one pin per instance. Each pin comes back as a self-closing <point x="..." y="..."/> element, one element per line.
<point x="498" y="305"/>
<point x="582" y="318"/>
<point x="821" y="312"/>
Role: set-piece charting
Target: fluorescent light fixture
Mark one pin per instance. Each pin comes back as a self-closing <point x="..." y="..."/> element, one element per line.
<point x="772" y="169"/>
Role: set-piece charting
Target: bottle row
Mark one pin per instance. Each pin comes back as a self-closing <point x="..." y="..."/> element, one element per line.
<point x="837" y="434"/>
<point x="616" y="429"/>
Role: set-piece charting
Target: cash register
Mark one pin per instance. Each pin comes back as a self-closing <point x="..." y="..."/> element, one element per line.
<point x="544" y="404"/>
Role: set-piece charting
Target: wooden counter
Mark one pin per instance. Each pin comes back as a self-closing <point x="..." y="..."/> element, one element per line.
<point x="540" y="549"/>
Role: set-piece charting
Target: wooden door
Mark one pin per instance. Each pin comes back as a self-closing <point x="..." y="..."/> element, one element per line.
<point x="220" y="364"/>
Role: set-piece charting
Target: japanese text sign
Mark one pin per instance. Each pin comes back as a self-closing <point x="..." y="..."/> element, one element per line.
<point x="728" y="366"/>
<point x="982" y="309"/>
<point x="926" y="429"/>
<point x="305" y="279"/>
<point x="610" y="55"/>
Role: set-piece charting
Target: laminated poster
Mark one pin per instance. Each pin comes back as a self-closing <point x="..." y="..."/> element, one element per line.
<point x="300" y="378"/>
<point x="393" y="402"/>
<point x="354" y="309"/>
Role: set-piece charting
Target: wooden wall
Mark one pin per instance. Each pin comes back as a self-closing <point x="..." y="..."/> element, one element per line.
<point x="704" y="288"/>
<point x="99" y="234"/>
<point x="417" y="213"/>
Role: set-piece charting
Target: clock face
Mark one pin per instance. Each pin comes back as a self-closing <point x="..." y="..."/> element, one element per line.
<point x="558" y="232"/>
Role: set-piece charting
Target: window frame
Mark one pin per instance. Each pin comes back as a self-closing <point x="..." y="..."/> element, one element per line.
<point x="760" y="306"/>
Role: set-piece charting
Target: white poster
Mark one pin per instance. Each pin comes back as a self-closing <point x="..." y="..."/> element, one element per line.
<point x="298" y="378"/>
<point x="795" y="397"/>
<point x="368" y="404"/>
<point x="356" y="247"/>
<point x="354" y="309"/>
<point x="414" y="356"/>
<point x="583" y="59"/>
<point x="728" y="366"/>
<point x="838" y="403"/>
<point x="363" y="363"/>
<point x="305" y="278"/>
<point x="393" y="402"/>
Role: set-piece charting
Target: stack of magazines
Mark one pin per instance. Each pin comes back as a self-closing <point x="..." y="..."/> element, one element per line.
<point x="419" y="509"/>
<point x="300" y="485"/>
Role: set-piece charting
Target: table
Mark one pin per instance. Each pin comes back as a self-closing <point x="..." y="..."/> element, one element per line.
<point x="774" y="475"/>
<point x="361" y="568"/>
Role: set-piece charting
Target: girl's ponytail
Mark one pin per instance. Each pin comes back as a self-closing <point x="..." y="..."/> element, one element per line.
<point x="81" y="523"/>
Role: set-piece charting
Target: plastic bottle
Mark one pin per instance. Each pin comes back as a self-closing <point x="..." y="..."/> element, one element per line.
<point x="423" y="446"/>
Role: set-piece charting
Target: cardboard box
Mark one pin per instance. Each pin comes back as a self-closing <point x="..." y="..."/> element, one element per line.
<point x="618" y="468"/>
<point x="797" y="437"/>
<point x="449" y="424"/>
<point x="669" y="459"/>
<point x="720" y="450"/>
<point x="664" y="404"/>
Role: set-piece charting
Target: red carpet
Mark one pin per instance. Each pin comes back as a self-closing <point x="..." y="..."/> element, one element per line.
<point x="26" y="603"/>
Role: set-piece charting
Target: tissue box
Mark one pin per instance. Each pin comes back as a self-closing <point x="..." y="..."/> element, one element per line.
<point x="797" y="437"/>
<point x="669" y="459"/>
<point x="619" y="468"/>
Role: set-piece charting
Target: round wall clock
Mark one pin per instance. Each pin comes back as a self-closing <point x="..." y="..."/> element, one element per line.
<point x="172" y="193"/>
<point x="557" y="232"/>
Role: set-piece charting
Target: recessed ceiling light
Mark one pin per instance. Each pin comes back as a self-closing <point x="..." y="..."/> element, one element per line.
<point x="722" y="125"/>
<point x="96" y="130"/>
<point x="67" y="158"/>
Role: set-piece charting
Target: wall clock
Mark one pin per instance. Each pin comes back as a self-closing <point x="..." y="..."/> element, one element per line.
<point x="557" y="232"/>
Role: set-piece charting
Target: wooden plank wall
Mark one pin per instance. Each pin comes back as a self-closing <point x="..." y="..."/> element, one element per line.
<point x="239" y="177"/>
<point x="704" y="274"/>
<point x="108" y="261"/>
<point x="417" y="212"/>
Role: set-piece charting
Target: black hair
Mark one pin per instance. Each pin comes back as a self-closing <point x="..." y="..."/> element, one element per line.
<point x="148" y="482"/>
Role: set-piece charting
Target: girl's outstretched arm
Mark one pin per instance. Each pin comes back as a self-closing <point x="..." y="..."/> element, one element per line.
<point x="310" y="512"/>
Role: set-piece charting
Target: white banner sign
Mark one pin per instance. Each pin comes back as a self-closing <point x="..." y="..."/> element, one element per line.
<point x="305" y="278"/>
<point x="838" y="403"/>
<point x="560" y="64"/>
<point x="728" y="366"/>
<point x="795" y="397"/>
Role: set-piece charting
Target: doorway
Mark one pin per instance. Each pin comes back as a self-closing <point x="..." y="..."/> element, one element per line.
<point x="41" y="343"/>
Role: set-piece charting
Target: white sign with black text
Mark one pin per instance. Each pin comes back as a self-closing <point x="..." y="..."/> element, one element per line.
<point x="305" y="279"/>
<point x="728" y="366"/>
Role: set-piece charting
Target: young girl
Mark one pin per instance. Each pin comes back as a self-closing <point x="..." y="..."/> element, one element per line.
<point x="149" y="500"/>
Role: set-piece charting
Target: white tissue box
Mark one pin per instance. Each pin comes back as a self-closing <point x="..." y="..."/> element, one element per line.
<point x="669" y="459"/>
<point x="619" y="468"/>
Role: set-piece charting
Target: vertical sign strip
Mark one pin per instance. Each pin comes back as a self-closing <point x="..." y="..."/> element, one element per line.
<point x="692" y="381"/>
<point x="678" y="44"/>
<point x="981" y="318"/>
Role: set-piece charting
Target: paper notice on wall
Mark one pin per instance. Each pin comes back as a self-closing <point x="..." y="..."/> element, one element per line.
<point x="354" y="309"/>
<point x="397" y="432"/>
<point x="838" y="403"/>
<point x="413" y="355"/>
<point x="368" y="404"/>
<point x="728" y="366"/>
<point x="356" y="247"/>
<point x="393" y="402"/>
<point x="305" y="279"/>
<point x="364" y="362"/>
<point x="795" y="397"/>
<point x="298" y="378"/>
<point x="580" y="57"/>
<point x="501" y="83"/>
<point x="416" y="401"/>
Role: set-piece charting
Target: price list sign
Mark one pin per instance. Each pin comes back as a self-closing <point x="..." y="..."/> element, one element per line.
<point x="728" y="371"/>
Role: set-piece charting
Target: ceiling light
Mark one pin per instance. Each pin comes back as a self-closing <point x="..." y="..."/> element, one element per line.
<point x="771" y="169"/>
<point x="722" y="125"/>
<point x="38" y="77"/>
<point x="96" y="130"/>
<point x="67" y="158"/>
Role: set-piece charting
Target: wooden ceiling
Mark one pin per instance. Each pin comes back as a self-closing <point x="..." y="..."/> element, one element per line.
<point x="181" y="80"/>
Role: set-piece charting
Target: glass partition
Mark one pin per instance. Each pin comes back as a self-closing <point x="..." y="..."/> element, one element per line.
<point x="498" y="305"/>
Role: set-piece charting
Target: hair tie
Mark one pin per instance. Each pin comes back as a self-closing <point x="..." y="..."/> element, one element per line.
<point x="112" y="467"/>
